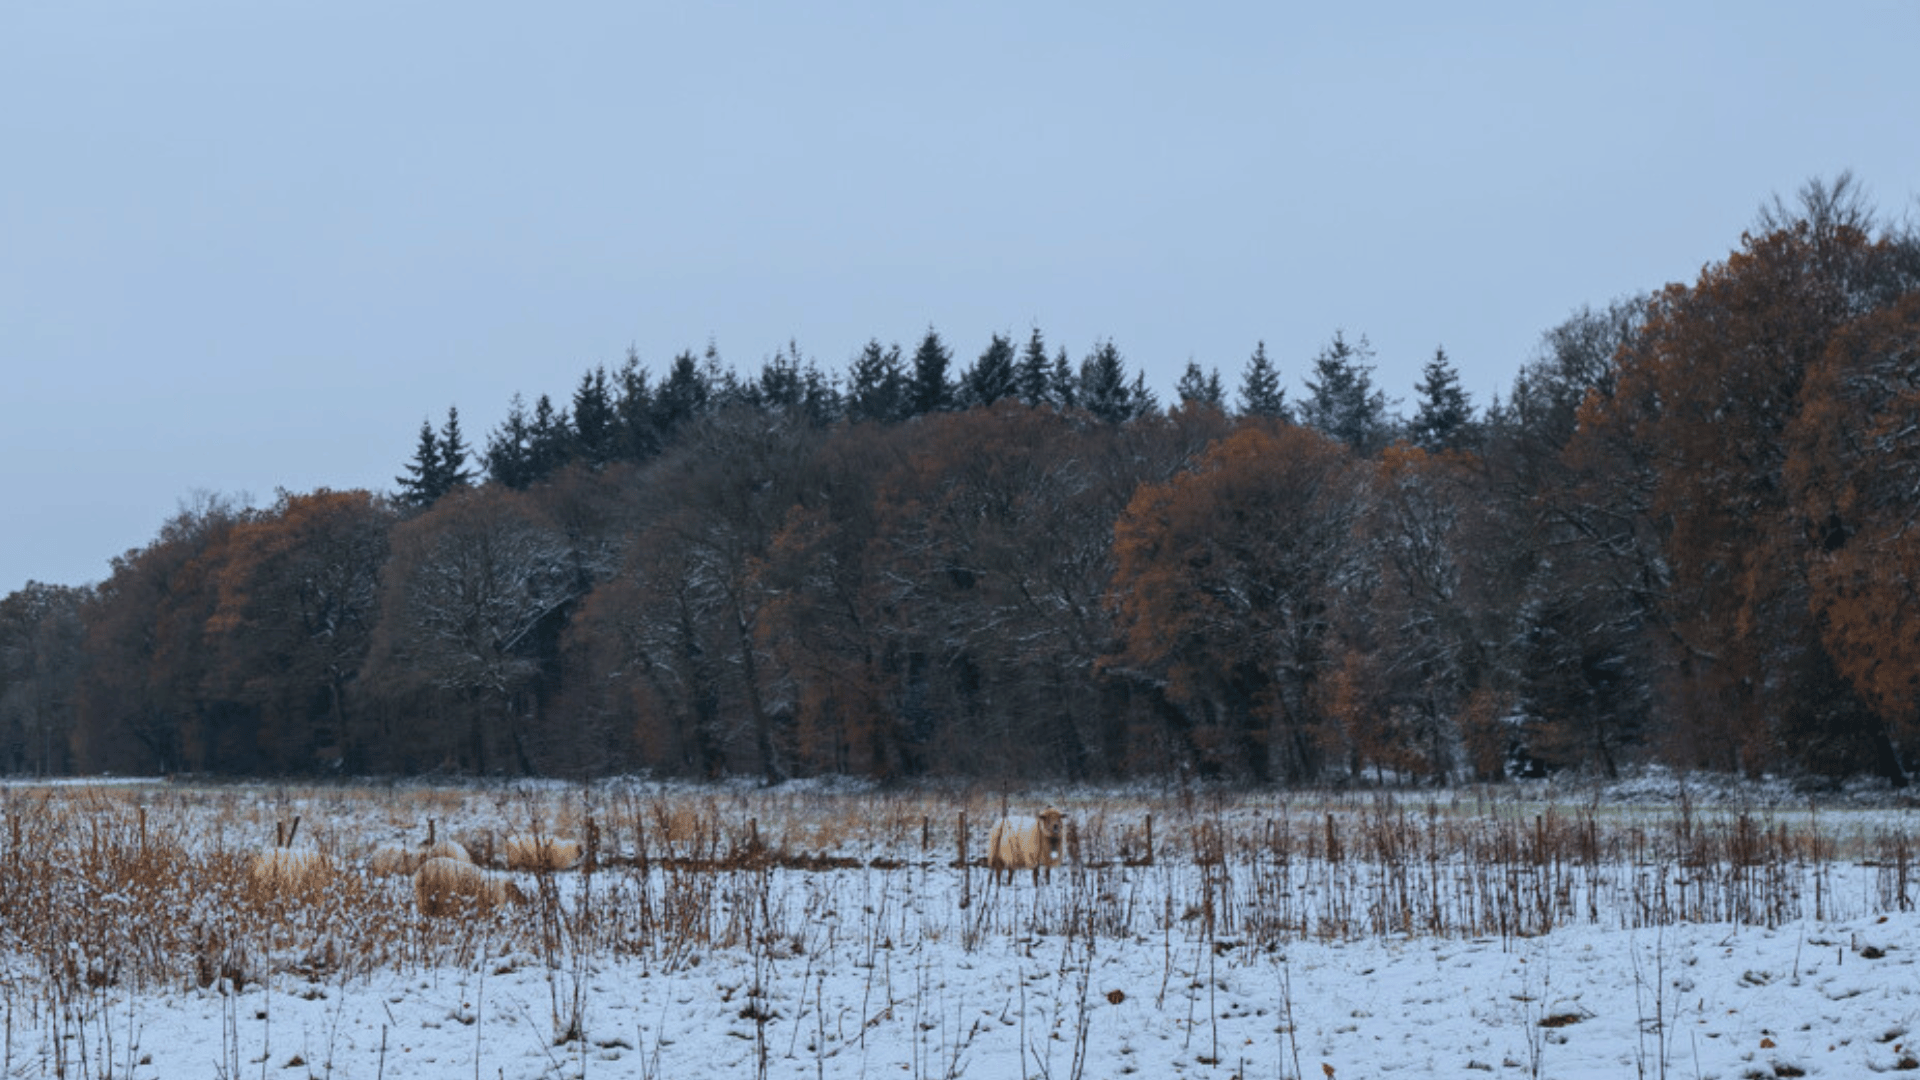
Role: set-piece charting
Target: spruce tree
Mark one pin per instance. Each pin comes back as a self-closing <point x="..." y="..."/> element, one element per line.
<point x="1445" y="419"/>
<point x="682" y="396"/>
<point x="549" y="440"/>
<point x="508" y="453"/>
<point x="1260" y="391"/>
<point x="454" y="452"/>
<point x="633" y="412"/>
<point x="1036" y="372"/>
<point x="993" y="376"/>
<point x="876" y="385"/>
<point x="1065" y="389"/>
<point x="418" y="487"/>
<point x="1343" y="403"/>
<point x="1197" y="387"/>
<point x="1103" y="386"/>
<point x="595" y="424"/>
<point x="928" y="388"/>
<point x="439" y="463"/>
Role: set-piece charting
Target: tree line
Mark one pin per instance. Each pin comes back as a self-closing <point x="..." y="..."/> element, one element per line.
<point x="1685" y="535"/>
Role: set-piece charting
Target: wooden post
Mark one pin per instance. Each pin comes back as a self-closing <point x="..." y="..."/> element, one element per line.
<point x="279" y="834"/>
<point x="429" y="832"/>
<point x="926" y="833"/>
<point x="1149" y="838"/>
<point x="294" y="831"/>
<point x="966" y="876"/>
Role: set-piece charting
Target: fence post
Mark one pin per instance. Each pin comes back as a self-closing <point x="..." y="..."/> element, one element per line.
<point x="966" y="874"/>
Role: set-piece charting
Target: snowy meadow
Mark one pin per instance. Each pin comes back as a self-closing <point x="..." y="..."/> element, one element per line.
<point x="834" y="931"/>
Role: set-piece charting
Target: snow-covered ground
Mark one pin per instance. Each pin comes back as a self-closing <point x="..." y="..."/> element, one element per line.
<point x="1836" y="1000"/>
<point x="901" y="967"/>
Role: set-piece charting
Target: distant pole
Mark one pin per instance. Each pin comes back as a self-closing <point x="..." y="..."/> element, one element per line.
<point x="966" y="875"/>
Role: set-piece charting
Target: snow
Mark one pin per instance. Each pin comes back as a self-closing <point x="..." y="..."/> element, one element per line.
<point x="900" y="968"/>
<point x="1710" y="1000"/>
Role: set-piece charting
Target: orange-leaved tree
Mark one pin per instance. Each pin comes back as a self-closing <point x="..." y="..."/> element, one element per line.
<point x="1854" y="475"/>
<point x="1706" y="392"/>
<point x="1224" y="586"/>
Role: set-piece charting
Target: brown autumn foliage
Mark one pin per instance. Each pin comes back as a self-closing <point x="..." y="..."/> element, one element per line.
<point x="1224" y="585"/>
<point x="1853" y="473"/>
<point x="1707" y="393"/>
<point x="1688" y="535"/>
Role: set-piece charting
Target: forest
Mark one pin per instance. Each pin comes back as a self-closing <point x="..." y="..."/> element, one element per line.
<point x="1684" y="536"/>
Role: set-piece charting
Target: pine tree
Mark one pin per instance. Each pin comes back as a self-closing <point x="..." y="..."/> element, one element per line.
<point x="782" y="383"/>
<point x="682" y="396"/>
<point x="993" y="376"/>
<point x="1197" y="387"/>
<point x="549" y="440"/>
<point x="1036" y="372"/>
<point x="1065" y="390"/>
<point x="1445" y="419"/>
<point x="876" y="385"/>
<point x="419" y="487"/>
<point x="454" y="453"/>
<point x="1103" y="386"/>
<point x="509" y="449"/>
<point x="439" y="463"/>
<point x="1260" y="391"/>
<point x="633" y="410"/>
<point x="595" y="423"/>
<point x="928" y="388"/>
<point x="1344" y="404"/>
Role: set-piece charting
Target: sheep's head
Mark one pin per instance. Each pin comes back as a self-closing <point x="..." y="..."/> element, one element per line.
<point x="1053" y="830"/>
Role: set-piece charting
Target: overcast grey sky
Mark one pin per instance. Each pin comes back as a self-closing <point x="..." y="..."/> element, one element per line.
<point x="247" y="245"/>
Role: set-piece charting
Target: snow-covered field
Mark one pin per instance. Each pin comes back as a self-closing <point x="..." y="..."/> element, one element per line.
<point x="1282" y="964"/>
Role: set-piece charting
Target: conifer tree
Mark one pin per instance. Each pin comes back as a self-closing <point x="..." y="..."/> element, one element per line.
<point x="1103" y="386"/>
<point x="1036" y="372"/>
<point x="877" y="385"/>
<point x="682" y="395"/>
<point x="439" y="463"/>
<point x="928" y="388"/>
<point x="1202" y="388"/>
<point x="509" y="448"/>
<point x="595" y="423"/>
<point x="1445" y="419"/>
<point x="1343" y="402"/>
<point x="633" y="411"/>
<point x="1260" y="391"/>
<point x="1066" y="384"/>
<point x="993" y="376"/>
<point x="549" y="440"/>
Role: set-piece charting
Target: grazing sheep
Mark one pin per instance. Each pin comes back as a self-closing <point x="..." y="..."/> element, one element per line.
<point x="1020" y="843"/>
<point x="541" y="853"/>
<point x="444" y="886"/>
<point x="390" y="860"/>
<point x="288" y="871"/>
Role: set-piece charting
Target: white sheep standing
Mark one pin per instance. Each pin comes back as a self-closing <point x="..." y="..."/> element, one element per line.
<point x="1021" y="843"/>
<point x="444" y="886"/>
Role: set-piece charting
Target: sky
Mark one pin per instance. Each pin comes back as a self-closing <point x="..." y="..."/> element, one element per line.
<point x="247" y="247"/>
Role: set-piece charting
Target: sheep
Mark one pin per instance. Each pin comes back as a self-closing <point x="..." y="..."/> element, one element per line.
<point x="1034" y="843"/>
<point x="444" y="886"/>
<point x="288" y="871"/>
<point x="390" y="860"/>
<point x="541" y="853"/>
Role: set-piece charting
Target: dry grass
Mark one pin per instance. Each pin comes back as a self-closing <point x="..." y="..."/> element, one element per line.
<point x="150" y="886"/>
